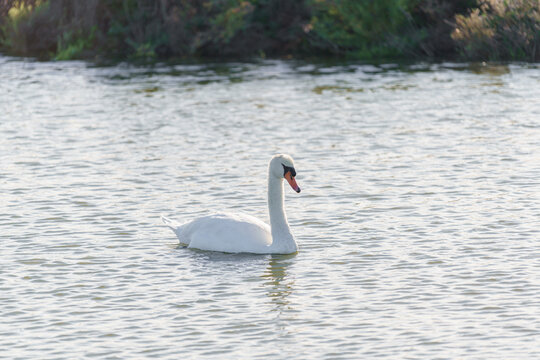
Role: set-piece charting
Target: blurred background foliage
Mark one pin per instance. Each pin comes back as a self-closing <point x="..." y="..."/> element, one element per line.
<point x="361" y="29"/>
<point x="500" y="29"/>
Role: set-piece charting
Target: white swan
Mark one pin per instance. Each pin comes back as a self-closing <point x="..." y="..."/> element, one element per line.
<point x="241" y="233"/>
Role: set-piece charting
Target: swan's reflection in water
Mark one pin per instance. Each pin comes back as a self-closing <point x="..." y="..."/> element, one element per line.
<point x="279" y="284"/>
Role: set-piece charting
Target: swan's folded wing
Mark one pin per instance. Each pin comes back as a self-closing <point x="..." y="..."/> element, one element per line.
<point x="229" y="233"/>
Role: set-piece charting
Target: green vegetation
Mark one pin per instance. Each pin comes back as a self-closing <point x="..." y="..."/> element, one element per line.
<point x="500" y="30"/>
<point x="72" y="45"/>
<point x="359" y="28"/>
<point x="362" y="29"/>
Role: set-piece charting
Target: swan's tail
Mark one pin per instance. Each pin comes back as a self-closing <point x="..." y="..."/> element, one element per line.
<point x="170" y="223"/>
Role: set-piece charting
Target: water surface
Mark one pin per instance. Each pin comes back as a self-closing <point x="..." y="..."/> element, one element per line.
<point x="418" y="223"/>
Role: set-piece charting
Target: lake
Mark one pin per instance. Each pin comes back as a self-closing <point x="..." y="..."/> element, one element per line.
<point x="418" y="223"/>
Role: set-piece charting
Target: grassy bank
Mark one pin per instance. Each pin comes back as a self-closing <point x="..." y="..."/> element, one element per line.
<point x="363" y="29"/>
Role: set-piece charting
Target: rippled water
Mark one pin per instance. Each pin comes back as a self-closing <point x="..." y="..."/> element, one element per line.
<point x="418" y="223"/>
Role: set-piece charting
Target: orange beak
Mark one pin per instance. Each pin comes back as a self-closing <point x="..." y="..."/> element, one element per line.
<point x="292" y="182"/>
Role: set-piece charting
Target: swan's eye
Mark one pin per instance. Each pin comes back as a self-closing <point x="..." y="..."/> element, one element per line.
<point x="286" y="169"/>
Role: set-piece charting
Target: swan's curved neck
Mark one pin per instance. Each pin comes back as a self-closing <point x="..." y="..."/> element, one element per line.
<point x="282" y="239"/>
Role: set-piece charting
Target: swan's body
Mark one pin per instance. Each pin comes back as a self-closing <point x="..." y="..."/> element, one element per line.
<point x="236" y="233"/>
<point x="226" y="233"/>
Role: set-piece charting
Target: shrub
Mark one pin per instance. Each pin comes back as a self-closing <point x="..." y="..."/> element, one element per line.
<point x="55" y="28"/>
<point x="364" y="27"/>
<point x="72" y="45"/>
<point x="24" y="29"/>
<point x="500" y="30"/>
<point x="434" y="20"/>
<point x="201" y="27"/>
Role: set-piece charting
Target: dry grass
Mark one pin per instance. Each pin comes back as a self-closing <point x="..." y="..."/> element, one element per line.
<point x="500" y="30"/>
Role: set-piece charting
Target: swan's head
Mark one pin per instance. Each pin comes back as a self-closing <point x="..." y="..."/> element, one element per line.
<point x="282" y="166"/>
